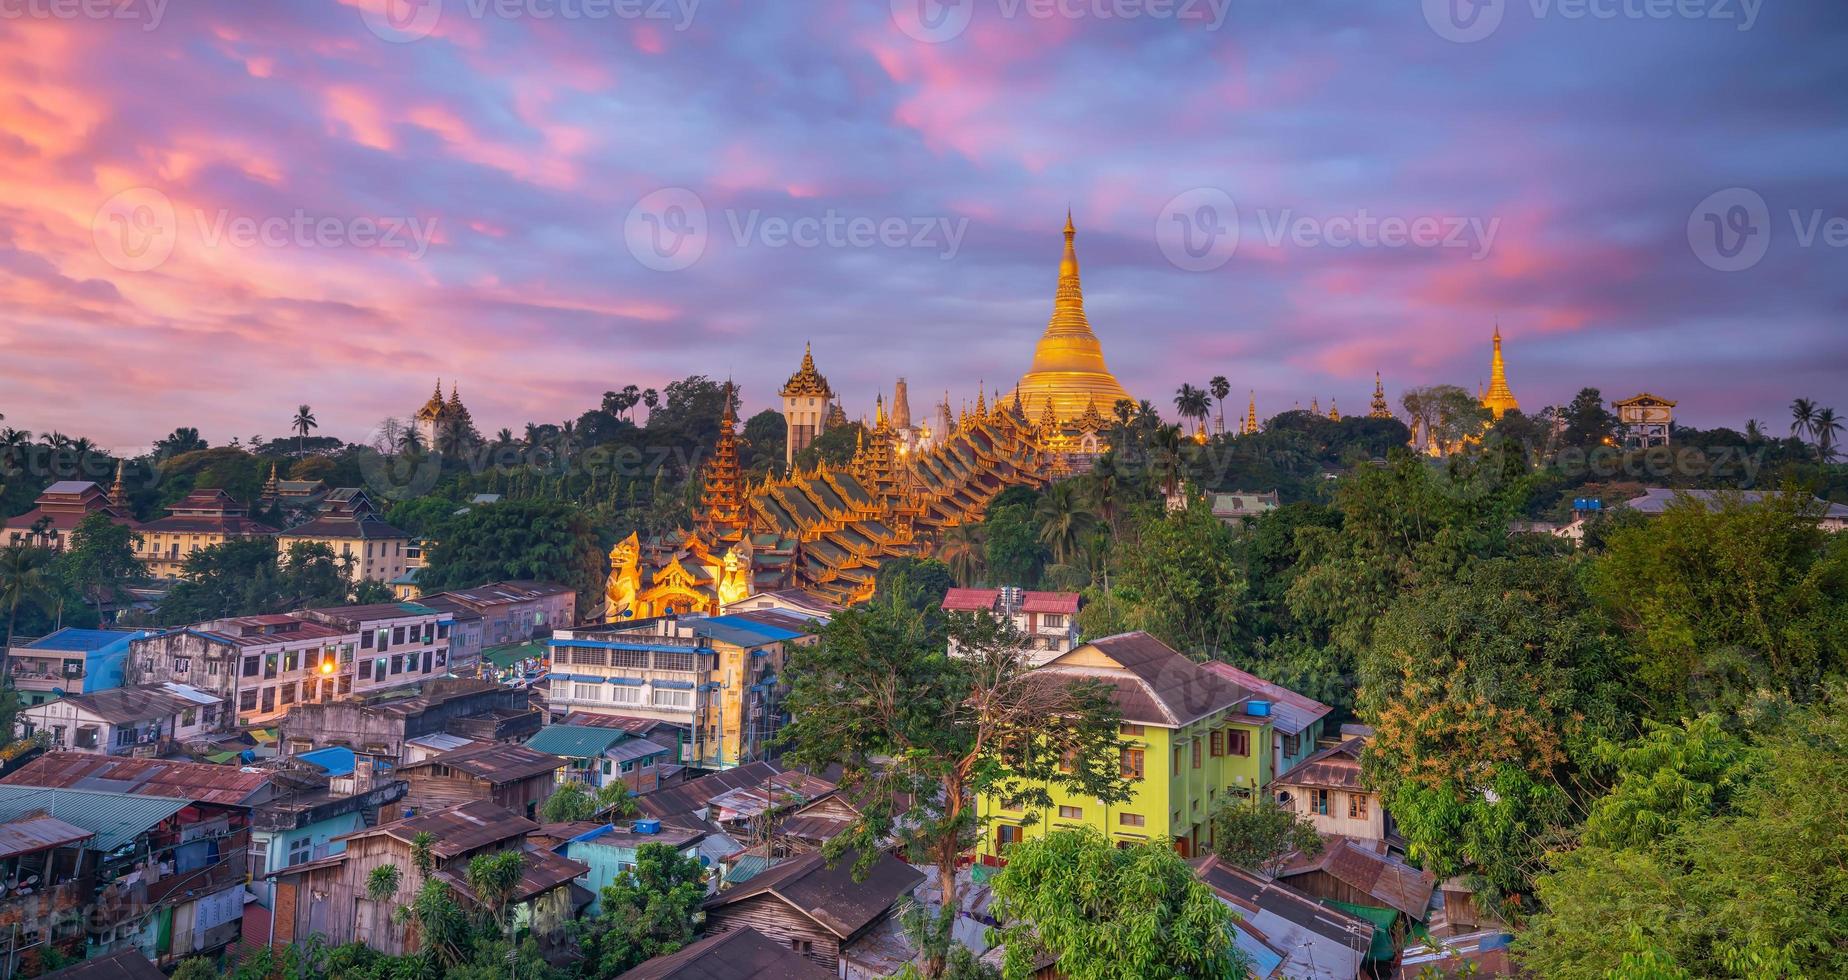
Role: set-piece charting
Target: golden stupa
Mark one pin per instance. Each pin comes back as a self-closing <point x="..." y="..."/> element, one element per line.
<point x="1499" y="399"/>
<point x="1068" y="370"/>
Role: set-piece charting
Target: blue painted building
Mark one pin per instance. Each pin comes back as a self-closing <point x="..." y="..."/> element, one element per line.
<point x="70" y="661"/>
<point x="610" y="850"/>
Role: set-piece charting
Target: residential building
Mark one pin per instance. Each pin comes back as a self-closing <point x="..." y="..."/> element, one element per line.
<point x="1830" y="516"/>
<point x="399" y="643"/>
<point x="510" y="612"/>
<point x="741" y="952"/>
<point x="1330" y="791"/>
<point x="201" y="519"/>
<point x="796" y="603"/>
<point x="608" y="850"/>
<point x="733" y="797"/>
<point x="717" y="676"/>
<point x="70" y="661"/>
<point x="149" y="719"/>
<point x="1367" y="879"/>
<point x="57" y="512"/>
<point x="171" y="845"/>
<point x="815" y="910"/>
<point x="1296" y="720"/>
<point x="330" y="897"/>
<point x="1287" y="933"/>
<point x="49" y="873"/>
<point x="316" y="805"/>
<point x="1190" y="741"/>
<point x="259" y="666"/>
<point x="380" y="727"/>
<point x="513" y="777"/>
<point x="128" y="964"/>
<point x="597" y="757"/>
<point x="349" y="525"/>
<point x="1048" y="621"/>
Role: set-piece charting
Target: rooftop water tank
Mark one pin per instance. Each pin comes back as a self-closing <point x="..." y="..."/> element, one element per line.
<point x="1258" y="708"/>
<point x="646" y="826"/>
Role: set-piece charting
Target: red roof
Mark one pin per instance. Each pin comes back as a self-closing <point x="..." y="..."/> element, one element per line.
<point x="970" y="600"/>
<point x="1050" y="602"/>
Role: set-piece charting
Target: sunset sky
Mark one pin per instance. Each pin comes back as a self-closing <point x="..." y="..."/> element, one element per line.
<point x="530" y="140"/>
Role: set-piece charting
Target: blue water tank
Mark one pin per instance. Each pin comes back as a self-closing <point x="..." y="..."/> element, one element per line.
<point x="647" y="826"/>
<point x="1258" y="708"/>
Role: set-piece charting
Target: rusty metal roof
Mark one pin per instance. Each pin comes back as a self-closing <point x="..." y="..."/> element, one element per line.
<point x="540" y="872"/>
<point x="1366" y="867"/>
<point x="830" y="895"/>
<point x="193" y="781"/>
<point x="496" y="762"/>
<point x="29" y="834"/>
<point x="458" y="829"/>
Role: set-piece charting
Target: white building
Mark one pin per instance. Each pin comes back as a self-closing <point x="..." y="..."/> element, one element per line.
<point x="1048" y="620"/>
<point x="144" y="720"/>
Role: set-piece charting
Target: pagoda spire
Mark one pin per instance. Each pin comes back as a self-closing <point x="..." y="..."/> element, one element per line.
<point x="1334" y="411"/>
<point x="981" y="401"/>
<point x="118" y="493"/>
<point x="1068" y="363"/>
<point x="1499" y="399"/>
<point x="1251" y="416"/>
<point x="721" y="512"/>
<point x="1379" y="409"/>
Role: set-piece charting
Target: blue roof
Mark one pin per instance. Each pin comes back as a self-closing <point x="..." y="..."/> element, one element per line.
<point x="1264" y="960"/>
<point x="88" y="641"/>
<point x="739" y="630"/>
<point x="338" y="761"/>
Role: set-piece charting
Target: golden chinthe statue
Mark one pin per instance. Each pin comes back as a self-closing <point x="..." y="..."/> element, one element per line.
<point x="1068" y="370"/>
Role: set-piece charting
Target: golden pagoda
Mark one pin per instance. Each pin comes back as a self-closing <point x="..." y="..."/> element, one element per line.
<point x="721" y="505"/>
<point x="1251" y="417"/>
<point x="1068" y="368"/>
<point x="1499" y="399"/>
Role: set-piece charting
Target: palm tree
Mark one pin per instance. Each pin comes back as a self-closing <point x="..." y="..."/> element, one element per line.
<point x="651" y="398"/>
<point x="1220" y="388"/>
<point x="1826" y="427"/>
<point x="1191" y="403"/>
<point x="503" y="438"/>
<point x="382" y="883"/>
<point x="1754" y="431"/>
<point x="962" y="551"/>
<point x="1064" y="521"/>
<point x="1124" y="410"/>
<point x="410" y="442"/>
<point x="25" y="576"/>
<point x="494" y="877"/>
<point x="1802" y="417"/>
<point x="423" y="852"/>
<point x="1165" y="458"/>
<point x="304" y="421"/>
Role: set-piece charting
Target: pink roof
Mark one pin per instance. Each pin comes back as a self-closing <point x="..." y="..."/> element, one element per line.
<point x="1050" y="602"/>
<point x="970" y="600"/>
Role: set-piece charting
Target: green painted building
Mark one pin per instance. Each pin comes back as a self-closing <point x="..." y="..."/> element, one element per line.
<point x="1190" y="738"/>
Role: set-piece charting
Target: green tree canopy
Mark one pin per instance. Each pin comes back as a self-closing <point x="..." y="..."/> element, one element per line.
<point x="520" y="539"/>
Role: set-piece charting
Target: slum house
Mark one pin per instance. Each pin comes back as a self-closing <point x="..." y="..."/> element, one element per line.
<point x="378" y="728"/>
<point x="513" y="777"/>
<point x="1287" y="933"/>
<point x="330" y="897"/>
<point x="163" y="874"/>
<point x="597" y="756"/>
<point x="817" y="911"/>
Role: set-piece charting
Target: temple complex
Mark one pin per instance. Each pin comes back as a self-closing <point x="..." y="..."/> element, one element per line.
<point x="443" y="424"/>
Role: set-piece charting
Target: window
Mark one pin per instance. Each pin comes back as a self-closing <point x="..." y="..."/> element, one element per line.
<point x="628" y="767"/>
<point x="1196" y="753"/>
<point x="1357" y="806"/>
<point x="269" y="666"/>
<point x="365" y="641"/>
<point x="1238" y="742"/>
<point x="1005" y="834"/>
<point x="247" y="700"/>
<point x="1053" y="621"/>
<point x="397" y="635"/>
<point x="1318" y="802"/>
<point x="1132" y="763"/>
<point x="365" y="668"/>
<point x="269" y="700"/>
<point x="674" y="661"/>
<point x="180" y="665"/>
<point x="1177" y="760"/>
<point x="442" y="631"/>
<point x="1219" y="744"/>
<point x="290" y="660"/>
<point x="288" y="693"/>
<point x="637" y="659"/>
<point x="300" y="850"/>
<point x="253" y="666"/>
<point x="346" y="684"/>
<point x="259" y="857"/>
<point x="626" y="694"/>
<point x="397" y="663"/>
<point x="1291" y="743"/>
<point x="1131" y="819"/>
<point x="670" y="698"/>
<point x="1071" y="813"/>
<point x="648" y="762"/>
<point x="1128" y="729"/>
<point x="587" y="692"/>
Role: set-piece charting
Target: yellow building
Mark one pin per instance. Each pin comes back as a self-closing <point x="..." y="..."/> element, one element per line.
<point x="347" y="524"/>
<point x="1190" y="738"/>
<point x="202" y="519"/>
<point x="1068" y="373"/>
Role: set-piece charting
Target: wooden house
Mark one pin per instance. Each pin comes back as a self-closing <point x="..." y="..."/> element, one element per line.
<point x="512" y="777"/>
<point x="331" y="897"/>
<point x="816" y="910"/>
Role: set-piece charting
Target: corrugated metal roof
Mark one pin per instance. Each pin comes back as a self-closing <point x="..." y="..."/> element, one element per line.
<point x="1291" y="712"/>
<point x="147" y="777"/>
<point x="87" y="641"/>
<point x="575" y="741"/>
<point x="31" y="834"/>
<point x="115" y="818"/>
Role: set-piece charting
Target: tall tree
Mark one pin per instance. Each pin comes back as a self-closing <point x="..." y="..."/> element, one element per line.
<point x="303" y="423"/>
<point x="648" y="911"/>
<point x="101" y="558"/>
<point x="1259" y="834"/>
<point x="919" y="734"/>
<point x="1828" y="428"/>
<point x="1110" y="913"/>
<point x="520" y="539"/>
<point x="25" y="578"/>
<point x="1220" y="388"/>
<point x="1802" y="417"/>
